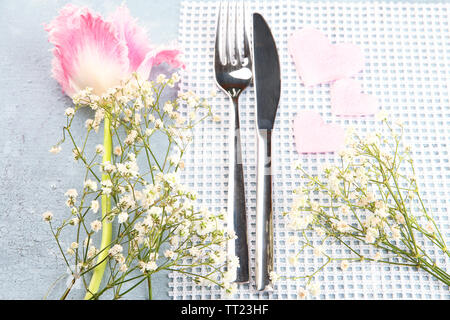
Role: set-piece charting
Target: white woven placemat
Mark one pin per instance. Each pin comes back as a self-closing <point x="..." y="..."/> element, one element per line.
<point x="407" y="50"/>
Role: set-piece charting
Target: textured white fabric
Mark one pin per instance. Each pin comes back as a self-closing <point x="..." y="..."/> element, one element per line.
<point x="407" y="50"/>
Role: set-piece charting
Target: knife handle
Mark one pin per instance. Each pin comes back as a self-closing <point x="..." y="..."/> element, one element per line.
<point x="264" y="223"/>
<point x="237" y="215"/>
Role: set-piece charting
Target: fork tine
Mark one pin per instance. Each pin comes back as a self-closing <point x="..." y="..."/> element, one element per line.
<point x="217" y="60"/>
<point x="246" y="45"/>
<point x="237" y="54"/>
<point x="227" y="36"/>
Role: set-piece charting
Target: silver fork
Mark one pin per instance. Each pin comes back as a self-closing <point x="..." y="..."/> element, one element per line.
<point x="233" y="70"/>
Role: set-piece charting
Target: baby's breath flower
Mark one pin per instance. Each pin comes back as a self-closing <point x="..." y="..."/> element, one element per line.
<point x="318" y="251"/>
<point x="90" y="184"/>
<point x="71" y="195"/>
<point x="293" y="240"/>
<point x="158" y="124"/>
<point x="74" y="221"/>
<point x="161" y="78"/>
<point x="377" y="256"/>
<point x="123" y="268"/>
<point x="274" y="277"/>
<point x="107" y="187"/>
<point x="293" y="260"/>
<point x="76" y="152"/>
<point x="123" y="216"/>
<point x="96" y="225"/>
<point x="395" y="232"/>
<point x="156" y="200"/>
<point x="351" y="213"/>
<point x="314" y="289"/>
<point x="47" y="216"/>
<point x="118" y="151"/>
<point x="429" y="227"/>
<point x="382" y="115"/>
<point x="70" y="251"/>
<point x="95" y="206"/>
<point x="344" y="265"/>
<point x="115" y="250"/>
<point x="399" y="218"/>
<point x="99" y="149"/>
<point x="55" y="149"/>
<point x="70" y="112"/>
<point x="302" y="293"/>
<point x="74" y="245"/>
<point x="169" y="254"/>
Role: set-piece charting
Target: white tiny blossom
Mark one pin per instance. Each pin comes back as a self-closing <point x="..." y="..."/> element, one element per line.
<point x="233" y="262"/>
<point x="150" y="266"/>
<point x="169" y="254"/>
<point x="160" y="78"/>
<point x="344" y="265"/>
<point x="70" y="112"/>
<point x="123" y="216"/>
<point x="382" y="115"/>
<point x="89" y="124"/>
<point x="116" y="249"/>
<point x="99" y="149"/>
<point x="148" y="132"/>
<point x="429" y="227"/>
<point x="377" y="256"/>
<point x="274" y="277"/>
<point x="74" y="221"/>
<point x="55" y="149"/>
<point x="342" y="226"/>
<point x="302" y="293"/>
<point x="107" y="187"/>
<point x="293" y="240"/>
<point x="95" y="206"/>
<point x="123" y="268"/>
<point x="71" y="193"/>
<point x="318" y="251"/>
<point x="293" y="260"/>
<point x="400" y="218"/>
<point x="395" y="233"/>
<point x="369" y="238"/>
<point x="159" y="124"/>
<point x="90" y="184"/>
<point x="320" y="232"/>
<point x="118" y="151"/>
<point x="47" y="216"/>
<point x="96" y="225"/>
<point x="344" y="210"/>
<point x="314" y="289"/>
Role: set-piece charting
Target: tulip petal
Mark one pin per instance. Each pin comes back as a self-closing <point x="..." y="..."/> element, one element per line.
<point x="158" y="56"/>
<point x="88" y="51"/>
<point x="135" y="37"/>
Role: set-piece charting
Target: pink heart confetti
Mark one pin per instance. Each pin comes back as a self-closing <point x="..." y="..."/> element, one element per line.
<point x="313" y="135"/>
<point x="319" y="61"/>
<point x="348" y="100"/>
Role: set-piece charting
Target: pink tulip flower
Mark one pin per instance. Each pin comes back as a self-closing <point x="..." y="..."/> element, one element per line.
<point x="99" y="53"/>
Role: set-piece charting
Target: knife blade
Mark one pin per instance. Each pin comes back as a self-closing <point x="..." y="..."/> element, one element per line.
<point x="267" y="82"/>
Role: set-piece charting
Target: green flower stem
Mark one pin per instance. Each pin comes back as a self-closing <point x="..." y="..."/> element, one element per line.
<point x="106" y="225"/>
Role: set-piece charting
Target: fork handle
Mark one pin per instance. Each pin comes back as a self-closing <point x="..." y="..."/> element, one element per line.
<point x="236" y="203"/>
<point x="264" y="223"/>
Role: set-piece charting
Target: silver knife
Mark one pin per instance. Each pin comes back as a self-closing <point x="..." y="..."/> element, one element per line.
<point x="267" y="86"/>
